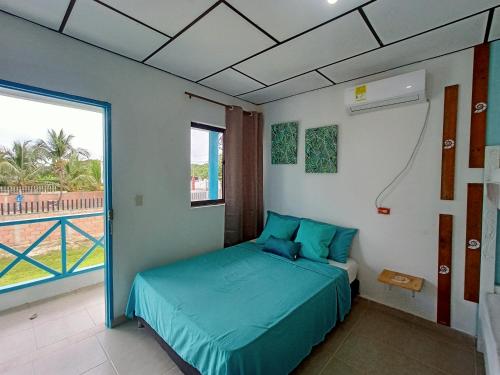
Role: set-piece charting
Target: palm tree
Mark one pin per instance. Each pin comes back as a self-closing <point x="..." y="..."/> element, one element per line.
<point x="79" y="175"/>
<point x="20" y="165"/>
<point x="58" y="151"/>
<point x="96" y="173"/>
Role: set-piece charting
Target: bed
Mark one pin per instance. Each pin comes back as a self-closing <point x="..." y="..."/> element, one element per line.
<point x="240" y="310"/>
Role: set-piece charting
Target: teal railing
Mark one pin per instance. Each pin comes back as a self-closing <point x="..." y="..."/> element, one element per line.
<point x="62" y="223"/>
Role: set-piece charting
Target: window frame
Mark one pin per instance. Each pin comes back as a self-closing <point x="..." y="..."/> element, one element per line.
<point x="211" y="202"/>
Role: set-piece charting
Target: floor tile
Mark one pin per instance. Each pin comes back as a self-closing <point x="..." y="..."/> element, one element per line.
<point x="386" y="328"/>
<point x="314" y="363"/>
<point x="389" y="311"/>
<point x="14" y="321"/>
<point x="372" y="357"/>
<point x="25" y="369"/>
<point x="55" y="308"/>
<point x="337" y="367"/>
<point x="104" y="369"/>
<point x="20" y="344"/>
<point x="444" y="333"/>
<point x="132" y="350"/>
<point x="63" y="327"/>
<point x="97" y="313"/>
<point x="446" y="357"/>
<point x="72" y="360"/>
<point x="175" y="371"/>
<point x="90" y="296"/>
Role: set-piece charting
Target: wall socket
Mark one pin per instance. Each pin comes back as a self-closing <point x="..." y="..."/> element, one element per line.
<point x="139" y="199"/>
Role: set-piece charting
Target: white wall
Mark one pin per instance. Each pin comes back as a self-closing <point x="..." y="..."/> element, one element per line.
<point x="150" y="140"/>
<point x="372" y="148"/>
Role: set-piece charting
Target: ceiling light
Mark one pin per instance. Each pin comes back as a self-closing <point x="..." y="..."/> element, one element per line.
<point x="331" y="1"/>
<point x="409" y="86"/>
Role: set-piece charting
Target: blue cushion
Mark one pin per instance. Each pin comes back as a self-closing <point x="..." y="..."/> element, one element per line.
<point x="284" y="248"/>
<point x="279" y="226"/>
<point x="315" y="237"/>
<point x="341" y="244"/>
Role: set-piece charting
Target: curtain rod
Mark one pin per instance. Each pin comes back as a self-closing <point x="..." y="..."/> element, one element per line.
<point x="191" y="95"/>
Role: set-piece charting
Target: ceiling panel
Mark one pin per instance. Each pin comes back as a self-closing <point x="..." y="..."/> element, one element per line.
<point x="297" y="85"/>
<point x="215" y="42"/>
<point x="285" y="18"/>
<point x="231" y="82"/>
<point x="168" y="16"/>
<point x="397" y="19"/>
<point x="495" y="26"/>
<point x="48" y="13"/>
<point x="334" y="41"/>
<point x="96" y="24"/>
<point x="451" y="38"/>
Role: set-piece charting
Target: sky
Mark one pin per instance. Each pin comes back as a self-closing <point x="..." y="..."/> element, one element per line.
<point x="199" y="146"/>
<point x="22" y="119"/>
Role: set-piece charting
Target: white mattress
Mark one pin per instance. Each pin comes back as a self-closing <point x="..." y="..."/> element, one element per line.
<point x="351" y="267"/>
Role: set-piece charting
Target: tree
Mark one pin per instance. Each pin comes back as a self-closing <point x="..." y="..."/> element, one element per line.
<point x="20" y="165"/>
<point x="96" y="172"/>
<point x="200" y="171"/>
<point x="79" y="175"/>
<point x="58" y="151"/>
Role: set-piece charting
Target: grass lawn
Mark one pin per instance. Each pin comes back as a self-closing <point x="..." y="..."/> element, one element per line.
<point x="24" y="271"/>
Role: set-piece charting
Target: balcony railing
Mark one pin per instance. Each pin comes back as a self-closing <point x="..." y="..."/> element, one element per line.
<point x="54" y="266"/>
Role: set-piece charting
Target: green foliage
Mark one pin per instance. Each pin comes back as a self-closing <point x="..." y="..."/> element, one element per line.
<point x="201" y="170"/>
<point x="21" y="164"/>
<point x="51" y="161"/>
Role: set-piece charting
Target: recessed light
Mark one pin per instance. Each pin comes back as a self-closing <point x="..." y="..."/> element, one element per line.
<point x="331" y="1"/>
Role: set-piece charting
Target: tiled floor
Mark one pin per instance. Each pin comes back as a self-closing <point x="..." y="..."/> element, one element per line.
<point x="68" y="337"/>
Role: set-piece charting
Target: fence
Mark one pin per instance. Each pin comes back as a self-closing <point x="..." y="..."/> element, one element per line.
<point x="50" y="206"/>
<point x="68" y="264"/>
<point x="199" y="195"/>
<point x="28" y="189"/>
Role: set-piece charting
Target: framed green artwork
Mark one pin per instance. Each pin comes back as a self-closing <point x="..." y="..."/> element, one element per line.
<point x="321" y="149"/>
<point x="284" y="138"/>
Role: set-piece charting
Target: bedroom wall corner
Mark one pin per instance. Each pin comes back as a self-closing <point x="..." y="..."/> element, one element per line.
<point x="372" y="148"/>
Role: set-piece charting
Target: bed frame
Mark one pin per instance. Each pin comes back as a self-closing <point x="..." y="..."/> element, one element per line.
<point x="185" y="367"/>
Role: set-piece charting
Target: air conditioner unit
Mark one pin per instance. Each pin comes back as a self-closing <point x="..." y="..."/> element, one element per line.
<point x="403" y="89"/>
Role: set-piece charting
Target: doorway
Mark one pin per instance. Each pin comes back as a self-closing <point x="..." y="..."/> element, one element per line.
<point x="55" y="193"/>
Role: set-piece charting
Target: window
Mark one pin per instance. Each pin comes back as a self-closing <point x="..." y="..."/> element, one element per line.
<point x="207" y="165"/>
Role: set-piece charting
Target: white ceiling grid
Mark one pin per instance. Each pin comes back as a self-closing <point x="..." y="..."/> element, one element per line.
<point x="265" y="50"/>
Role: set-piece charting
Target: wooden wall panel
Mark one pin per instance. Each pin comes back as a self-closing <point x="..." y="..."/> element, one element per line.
<point x="473" y="241"/>
<point x="479" y="106"/>
<point x="449" y="142"/>
<point x="444" y="269"/>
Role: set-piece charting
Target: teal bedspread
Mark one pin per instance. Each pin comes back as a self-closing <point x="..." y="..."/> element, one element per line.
<point x="240" y="310"/>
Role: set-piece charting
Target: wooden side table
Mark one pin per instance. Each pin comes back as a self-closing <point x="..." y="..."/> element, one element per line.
<point x="413" y="283"/>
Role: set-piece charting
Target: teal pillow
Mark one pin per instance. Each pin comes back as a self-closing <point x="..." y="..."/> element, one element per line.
<point x="279" y="226"/>
<point x="314" y="238"/>
<point x="341" y="244"/>
<point x="284" y="248"/>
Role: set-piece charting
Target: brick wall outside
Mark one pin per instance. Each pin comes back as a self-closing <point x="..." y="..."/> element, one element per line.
<point x="21" y="236"/>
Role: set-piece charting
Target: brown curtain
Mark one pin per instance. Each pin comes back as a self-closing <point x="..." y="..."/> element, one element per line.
<point x="243" y="176"/>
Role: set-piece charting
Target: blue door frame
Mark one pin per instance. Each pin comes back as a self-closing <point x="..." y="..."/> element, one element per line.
<point x="106" y="107"/>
